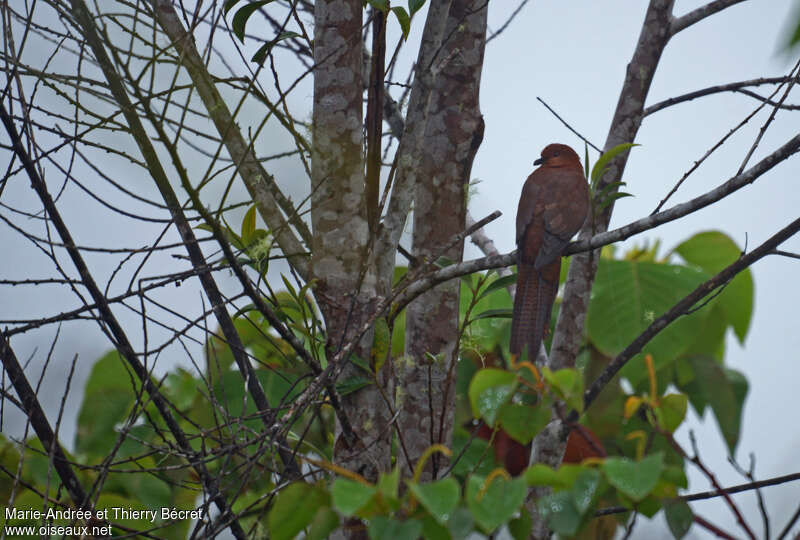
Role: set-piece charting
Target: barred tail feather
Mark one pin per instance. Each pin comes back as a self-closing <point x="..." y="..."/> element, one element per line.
<point x="533" y="304"/>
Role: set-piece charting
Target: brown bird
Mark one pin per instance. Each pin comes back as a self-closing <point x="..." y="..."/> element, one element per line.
<point x="552" y="208"/>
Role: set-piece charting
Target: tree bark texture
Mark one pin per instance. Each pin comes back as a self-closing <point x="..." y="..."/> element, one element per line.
<point x="454" y="130"/>
<point x="344" y="287"/>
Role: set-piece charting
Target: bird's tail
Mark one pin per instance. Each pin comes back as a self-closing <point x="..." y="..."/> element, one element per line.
<point x="533" y="304"/>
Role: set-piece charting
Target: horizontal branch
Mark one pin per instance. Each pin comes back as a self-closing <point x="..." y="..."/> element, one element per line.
<point x="703" y="495"/>
<point x="599" y="240"/>
<point x="730" y="87"/>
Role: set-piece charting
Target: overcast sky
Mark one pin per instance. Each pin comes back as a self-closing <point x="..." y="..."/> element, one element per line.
<point x="573" y="55"/>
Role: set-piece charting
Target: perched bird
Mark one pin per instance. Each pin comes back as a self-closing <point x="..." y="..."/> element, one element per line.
<point x="553" y="206"/>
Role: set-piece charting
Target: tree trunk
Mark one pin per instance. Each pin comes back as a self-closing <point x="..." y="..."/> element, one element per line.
<point x="345" y="285"/>
<point x="453" y="133"/>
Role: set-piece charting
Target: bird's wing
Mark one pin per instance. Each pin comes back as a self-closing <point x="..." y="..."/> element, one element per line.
<point x="564" y="213"/>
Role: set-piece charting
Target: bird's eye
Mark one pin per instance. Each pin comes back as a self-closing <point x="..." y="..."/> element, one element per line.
<point x="555" y="154"/>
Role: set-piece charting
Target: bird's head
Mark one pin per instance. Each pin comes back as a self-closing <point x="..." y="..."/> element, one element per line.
<point x="558" y="155"/>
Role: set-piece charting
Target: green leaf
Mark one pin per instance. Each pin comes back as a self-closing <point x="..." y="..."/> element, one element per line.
<point x="539" y="474"/>
<point x="679" y="518"/>
<point x="350" y="496"/>
<point x="381" y="342"/>
<point x="568" y="384"/>
<point x="415" y="5"/>
<point x="499" y="283"/>
<point x="110" y="384"/>
<point x="460" y="524"/>
<point x="494" y="505"/>
<point x="601" y="164"/>
<point x="523" y="422"/>
<point x="585" y="488"/>
<point x="295" y="507"/>
<point x="383" y="528"/>
<point x="520" y="527"/>
<point x="713" y="251"/>
<point x="244" y="13"/>
<point x="611" y="198"/>
<point x="228" y="5"/>
<point x="634" y="479"/>
<point x="671" y="411"/>
<point x="389" y="483"/>
<point x="489" y="390"/>
<point x="248" y="225"/>
<point x="724" y="390"/>
<point x="382" y="5"/>
<point x="403" y="19"/>
<point x="352" y="384"/>
<point x="476" y="458"/>
<point x="324" y="523"/>
<point x="261" y="54"/>
<point x="504" y="313"/>
<point x="628" y="296"/>
<point x="433" y="530"/>
<point x="439" y="498"/>
<point x="560" y="513"/>
<point x="586" y="159"/>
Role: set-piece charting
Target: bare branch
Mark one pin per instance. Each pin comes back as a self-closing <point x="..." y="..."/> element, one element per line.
<point x="697" y="15"/>
<point x="730" y="87"/>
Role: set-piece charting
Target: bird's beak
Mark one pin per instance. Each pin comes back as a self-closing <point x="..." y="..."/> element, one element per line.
<point x="538" y="161"/>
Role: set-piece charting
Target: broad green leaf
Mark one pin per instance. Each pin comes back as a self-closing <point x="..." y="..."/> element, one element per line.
<point x="433" y="530"/>
<point x="403" y="19"/>
<point x="415" y="5"/>
<point x="493" y="505"/>
<point x="383" y="528"/>
<point x="560" y="513"/>
<point x="460" y="524"/>
<point x="489" y="390"/>
<point x="476" y="458"/>
<point x="568" y="384"/>
<point x="439" y="498"/>
<point x="563" y="478"/>
<point x="539" y="474"/>
<point x="324" y="523"/>
<point x="523" y="422"/>
<point x="603" y="161"/>
<point x="635" y="479"/>
<point x="520" y="527"/>
<point x="111" y="384"/>
<point x="295" y="507"/>
<point x="389" y="483"/>
<point x="585" y="488"/>
<point x="679" y="518"/>
<point x="261" y="54"/>
<point x="628" y="296"/>
<point x="723" y="391"/>
<point x="713" y="251"/>
<point x="244" y="13"/>
<point x="350" y="496"/>
<point x="671" y="411"/>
